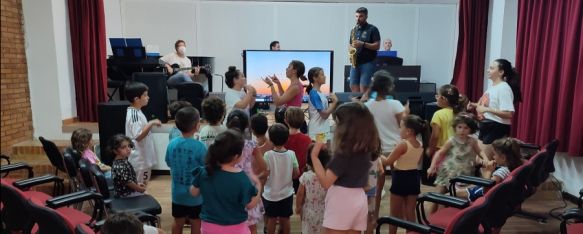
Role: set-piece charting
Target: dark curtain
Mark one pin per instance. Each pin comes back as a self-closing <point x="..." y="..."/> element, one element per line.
<point x="468" y="73"/>
<point x="87" y="28"/>
<point x="549" y="58"/>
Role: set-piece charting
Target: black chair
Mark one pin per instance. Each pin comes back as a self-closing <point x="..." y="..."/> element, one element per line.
<point x="54" y="155"/>
<point x="572" y="219"/>
<point x="135" y="205"/>
<point x="191" y="92"/>
<point x="117" y="80"/>
<point x="71" y="158"/>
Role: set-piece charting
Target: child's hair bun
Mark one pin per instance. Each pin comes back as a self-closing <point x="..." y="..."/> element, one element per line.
<point x="232" y="68"/>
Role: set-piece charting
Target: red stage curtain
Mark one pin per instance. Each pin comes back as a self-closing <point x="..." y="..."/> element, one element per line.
<point x="87" y="27"/>
<point x="549" y="58"/>
<point x="468" y="73"/>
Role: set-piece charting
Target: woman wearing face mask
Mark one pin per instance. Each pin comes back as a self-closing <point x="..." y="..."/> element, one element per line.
<point x="177" y="75"/>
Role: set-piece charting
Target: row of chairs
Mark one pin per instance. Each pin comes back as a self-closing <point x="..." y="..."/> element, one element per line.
<point x="487" y="214"/>
<point x="51" y="213"/>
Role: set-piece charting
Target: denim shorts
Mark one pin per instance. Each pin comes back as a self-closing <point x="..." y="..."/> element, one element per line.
<point x="362" y="74"/>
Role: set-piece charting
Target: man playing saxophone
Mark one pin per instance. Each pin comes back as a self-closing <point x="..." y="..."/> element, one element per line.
<point x="364" y="42"/>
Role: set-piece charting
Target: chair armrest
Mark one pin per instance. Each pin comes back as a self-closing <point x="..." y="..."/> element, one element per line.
<point x="444" y="200"/>
<point x="473" y="180"/>
<point x="575" y="213"/>
<point x="17" y="166"/>
<point x="529" y="146"/>
<point x="27" y="183"/>
<point x="410" y="226"/>
<point x="73" y="198"/>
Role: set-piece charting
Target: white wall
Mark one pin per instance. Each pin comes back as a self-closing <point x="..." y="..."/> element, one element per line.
<point x="47" y="47"/>
<point x="424" y="34"/>
<point x="569" y="170"/>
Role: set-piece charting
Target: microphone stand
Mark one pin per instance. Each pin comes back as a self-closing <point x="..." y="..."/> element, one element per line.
<point x="222" y="81"/>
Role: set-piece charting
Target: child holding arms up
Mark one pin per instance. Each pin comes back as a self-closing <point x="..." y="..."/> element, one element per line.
<point x="459" y="153"/>
<point x="507" y="157"/>
<point x="319" y="109"/>
<point x="251" y="162"/>
<point x="125" y="182"/>
<point x="404" y="161"/>
<point x="356" y="143"/>
<point x="213" y="109"/>
<point x="183" y="155"/>
<point x="138" y="128"/>
<point x="311" y="196"/>
<point x="227" y="190"/>
<point x="282" y="166"/>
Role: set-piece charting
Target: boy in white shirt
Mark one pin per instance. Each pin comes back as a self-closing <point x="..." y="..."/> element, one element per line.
<point x="143" y="157"/>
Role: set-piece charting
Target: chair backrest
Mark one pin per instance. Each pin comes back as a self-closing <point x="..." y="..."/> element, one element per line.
<point x="519" y="191"/>
<point x="49" y="220"/>
<point x="498" y="199"/>
<point x="468" y="220"/>
<point x="14" y="213"/>
<point x="71" y="159"/>
<point x="99" y="181"/>
<point x="539" y="174"/>
<point x="53" y="153"/>
<point x="191" y="92"/>
<point x="551" y="148"/>
<point x="85" y="172"/>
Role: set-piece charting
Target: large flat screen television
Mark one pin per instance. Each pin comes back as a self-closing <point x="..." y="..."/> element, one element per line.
<point x="261" y="63"/>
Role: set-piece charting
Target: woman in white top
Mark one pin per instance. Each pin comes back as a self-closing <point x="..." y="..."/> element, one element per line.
<point x="238" y="95"/>
<point x="495" y="108"/>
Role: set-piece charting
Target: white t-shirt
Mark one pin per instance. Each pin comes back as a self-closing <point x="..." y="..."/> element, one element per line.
<point x="318" y="102"/>
<point x="384" y="112"/>
<point x="144" y="154"/>
<point x="499" y="97"/>
<point x="232" y="97"/>
<point x="208" y="133"/>
<point x="150" y="230"/>
<point x="173" y="58"/>
<point x="279" y="182"/>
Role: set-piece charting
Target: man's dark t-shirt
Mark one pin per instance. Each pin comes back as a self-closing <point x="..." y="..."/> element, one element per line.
<point x="369" y="34"/>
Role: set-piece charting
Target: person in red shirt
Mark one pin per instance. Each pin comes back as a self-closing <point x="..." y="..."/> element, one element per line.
<point x="297" y="141"/>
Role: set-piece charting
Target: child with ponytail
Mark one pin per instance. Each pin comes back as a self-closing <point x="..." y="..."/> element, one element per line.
<point x="319" y="109"/>
<point x="227" y="190"/>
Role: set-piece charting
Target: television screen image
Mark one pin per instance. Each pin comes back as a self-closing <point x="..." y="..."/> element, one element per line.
<point x="261" y="63"/>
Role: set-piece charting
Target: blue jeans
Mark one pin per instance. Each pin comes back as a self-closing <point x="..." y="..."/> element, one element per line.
<point x="362" y="74"/>
<point x="179" y="78"/>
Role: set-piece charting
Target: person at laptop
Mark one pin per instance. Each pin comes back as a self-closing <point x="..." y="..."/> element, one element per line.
<point x="180" y="69"/>
<point x="364" y="41"/>
<point x="387" y="44"/>
<point x="274" y="45"/>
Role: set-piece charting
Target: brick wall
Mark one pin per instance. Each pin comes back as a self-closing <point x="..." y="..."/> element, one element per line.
<point x="15" y="93"/>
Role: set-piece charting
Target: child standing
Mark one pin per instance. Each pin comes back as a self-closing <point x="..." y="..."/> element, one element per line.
<point x="282" y="166"/>
<point x="356" y="143"/>
<point x="506" y="158"/>
<point x="173" y="109"/>
<point x="138" y="128"/>
<point x="459" y="153"/>
<point x="404" y="161"/>
<point x="311" y="197"/>
<point x="319" y="109"/>
<point x="124" y="176"/>
<point x="184" y="154"/>
<point x="228" y="193"/>
<point x="213" y="109"/>
<point x="448" y="99"/>
<point x="251" y="162"/>
<point x="297" y="141"/>
<point x="82" y="142"/>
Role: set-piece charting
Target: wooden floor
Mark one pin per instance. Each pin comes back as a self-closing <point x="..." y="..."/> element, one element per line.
<point x="540" y="203"/>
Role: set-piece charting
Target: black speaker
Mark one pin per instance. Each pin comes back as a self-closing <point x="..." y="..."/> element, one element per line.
<point x="157" y="107"/>
<point x="112" y="121"/>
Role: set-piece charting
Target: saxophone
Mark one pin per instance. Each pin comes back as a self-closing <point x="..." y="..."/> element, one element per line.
<point x="352" y="50"/>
